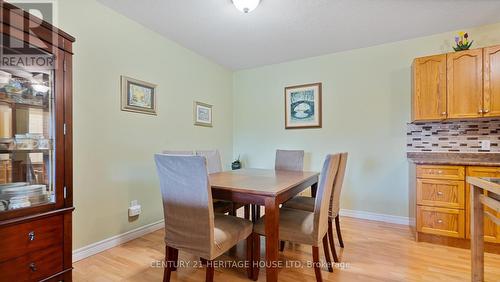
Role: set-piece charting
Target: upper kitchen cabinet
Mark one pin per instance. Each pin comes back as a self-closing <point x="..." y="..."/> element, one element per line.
<point x="491" y="98"/>
<point x="458" y="85"/>
<point x="429" y="88"/>
<point x="465" y="84"/>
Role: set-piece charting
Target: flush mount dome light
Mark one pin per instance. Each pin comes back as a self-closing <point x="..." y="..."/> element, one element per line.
<point x="246" y="6"/>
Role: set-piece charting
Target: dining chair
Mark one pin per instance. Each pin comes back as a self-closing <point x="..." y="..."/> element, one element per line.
<point x="305" y="227"/>
<point x="289" y="160"/>
<point x="307" y="204"/>
<point x="214" y="165"/>
<point x="190" y="222"/>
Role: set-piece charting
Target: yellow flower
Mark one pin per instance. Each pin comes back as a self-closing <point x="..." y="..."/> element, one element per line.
<point x="461" y="33"/>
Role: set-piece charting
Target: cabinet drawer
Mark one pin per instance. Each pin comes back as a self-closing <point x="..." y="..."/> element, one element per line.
<point x="34" y="266"/>
<point x="441" y="193"/>
<point x="20" y="239"/>
<point x="441" y="221"/>
<point x="441" y="172"/>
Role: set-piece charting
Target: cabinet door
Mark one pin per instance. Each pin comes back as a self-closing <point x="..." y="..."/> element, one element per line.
<point x="491" y="230"/>
<point x="491" y="81"/>
<point x="429" y="88"/>
<point x="465" y="84"/>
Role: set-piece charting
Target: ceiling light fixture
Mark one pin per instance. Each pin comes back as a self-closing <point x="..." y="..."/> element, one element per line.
<point x="246" y="6"/>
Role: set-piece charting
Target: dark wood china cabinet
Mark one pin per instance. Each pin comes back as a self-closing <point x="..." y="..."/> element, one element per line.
<point x="36" y="201"/>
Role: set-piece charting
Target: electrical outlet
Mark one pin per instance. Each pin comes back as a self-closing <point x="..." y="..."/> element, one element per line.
<point x="485" y="144"/>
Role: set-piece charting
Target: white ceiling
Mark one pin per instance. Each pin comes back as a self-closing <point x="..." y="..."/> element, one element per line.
<point x="283" y="30"/>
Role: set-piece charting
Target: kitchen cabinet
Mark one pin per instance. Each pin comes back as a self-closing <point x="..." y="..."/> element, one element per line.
<point x="429" y="86"/>
<point x="491" y="100"/>
<point x="458" y="85"/>
<point x="465" y="84"/>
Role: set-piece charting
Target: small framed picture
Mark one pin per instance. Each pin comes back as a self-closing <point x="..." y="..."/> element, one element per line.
<point x="303" y="106"/>
<point x="138" y="96"/>
<point x="202" y="114"/>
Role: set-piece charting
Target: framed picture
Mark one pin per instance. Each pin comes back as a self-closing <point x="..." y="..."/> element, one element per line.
<point x="303" y="106"/>
<point x="138" y="96"/>
<point x="202" y="114"/>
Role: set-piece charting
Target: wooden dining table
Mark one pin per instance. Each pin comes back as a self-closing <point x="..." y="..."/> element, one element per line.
<point x="268" y="188"/>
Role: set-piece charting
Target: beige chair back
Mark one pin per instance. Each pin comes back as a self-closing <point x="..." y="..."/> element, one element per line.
<point x="187" y="203"/>
<point x="337" y="187"/>
<point x="178" y="152"/>
<point x="324" y="195"/>
<point x="289" y="160"/>
<point x="214" y="163"/>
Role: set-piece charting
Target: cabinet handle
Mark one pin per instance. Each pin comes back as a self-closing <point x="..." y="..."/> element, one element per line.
<point x="31" y="235"/>
<point x="486" y="111"/>
<point x="443" y="113"/>
<point x="440" y="193"/>
<point x="440" y="171"/>
<point x="440" y="221"/>
<point x="32" y="267"/>
<point x="480" y="111"/>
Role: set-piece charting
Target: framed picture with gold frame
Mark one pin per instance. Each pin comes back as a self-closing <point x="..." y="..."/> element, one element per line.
<point x="138" y="96"/>
<point x="303" y="106"/>
<point x="202" y="114"/>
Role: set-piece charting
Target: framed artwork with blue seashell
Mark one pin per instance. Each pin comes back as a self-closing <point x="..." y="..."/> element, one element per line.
<point x="303" y="106"/>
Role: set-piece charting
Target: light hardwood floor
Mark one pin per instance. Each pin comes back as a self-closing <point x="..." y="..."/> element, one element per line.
<point x="374" y="251"/>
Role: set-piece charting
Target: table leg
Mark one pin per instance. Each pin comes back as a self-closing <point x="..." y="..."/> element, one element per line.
<point x="272" y="238"/>
<point x="477" y="235"/>
<point x="314" y="189"/>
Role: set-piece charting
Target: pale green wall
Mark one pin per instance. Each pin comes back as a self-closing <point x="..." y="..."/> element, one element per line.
<point x="366" y="104"/>
<point x="366" y="96"/>
<point x="113" y="150"/>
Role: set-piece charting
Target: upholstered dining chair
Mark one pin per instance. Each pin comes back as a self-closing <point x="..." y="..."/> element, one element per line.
<point x="305" y="227"/>
<point x="307" y="204"/>
<point x="289" y="160"/>
<point x="214" y="165"/>
<point x="214" y="162"/>
<point x="190" y="222"/>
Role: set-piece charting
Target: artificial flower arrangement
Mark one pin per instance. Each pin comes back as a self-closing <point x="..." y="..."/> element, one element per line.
<point x="462" y="41"/>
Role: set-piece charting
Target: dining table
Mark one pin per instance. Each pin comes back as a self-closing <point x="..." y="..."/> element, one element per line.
<point x="268" y="188"/>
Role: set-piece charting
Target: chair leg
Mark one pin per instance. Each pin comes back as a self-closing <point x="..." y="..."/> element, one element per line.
<point x="209" y="277"/>
<point x="339" y="234"/>
<point x="233" y="210"/>
<point x="168" y="264"/>
<point x="327" y="253"/>
<point x="175" y="258"/>
<point x="317" y="270"/>
<point x="249" y="255"/>
<point x="282" y="246"/>
<point x="255" y="256"/>
<point x="332" y="243"/>
<point x="247" y="211"/>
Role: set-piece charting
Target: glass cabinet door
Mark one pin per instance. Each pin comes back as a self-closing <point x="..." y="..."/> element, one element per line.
<point x="27" y="138"/>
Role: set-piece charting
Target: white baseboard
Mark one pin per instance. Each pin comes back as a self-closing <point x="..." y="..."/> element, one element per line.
<point x="376" y="216"/>
<point x="114" y="241"/>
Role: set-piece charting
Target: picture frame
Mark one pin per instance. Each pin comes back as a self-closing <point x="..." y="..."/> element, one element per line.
<point x="202" y="114"/>
<point x="303" y="106"/>
<point x="138" y="96"/>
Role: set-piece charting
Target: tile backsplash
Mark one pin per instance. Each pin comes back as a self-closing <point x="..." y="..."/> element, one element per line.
<point x="453" y="136"/>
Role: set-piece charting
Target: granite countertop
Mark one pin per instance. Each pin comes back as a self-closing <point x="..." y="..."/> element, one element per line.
<point x="438" y="158"/>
